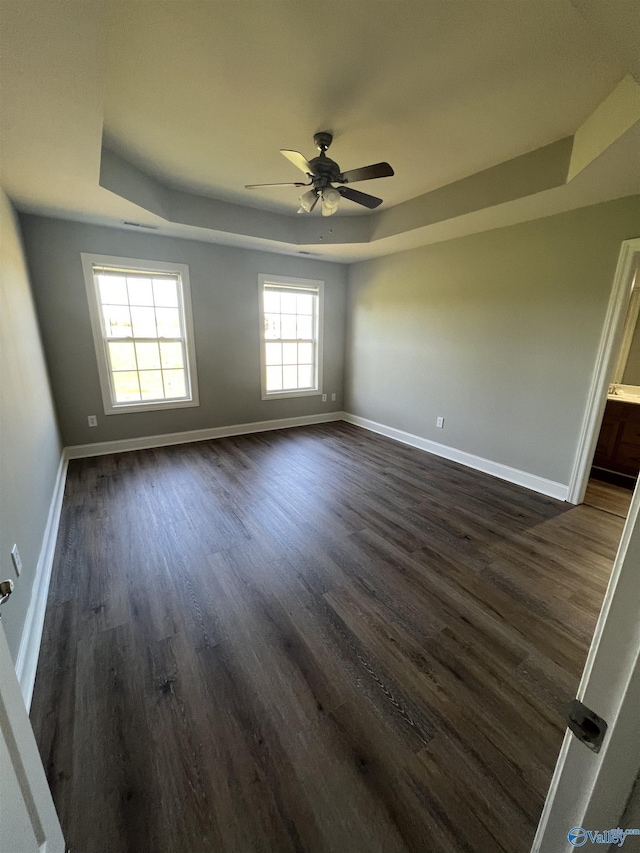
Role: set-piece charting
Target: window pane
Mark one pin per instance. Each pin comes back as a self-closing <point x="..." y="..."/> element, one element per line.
<point x="271" y="302"/>
<point x="145" y="349"/>
<point x="273" y="353"/>
<point x="117" y="321"/>
<point x="290" y="377"/>
<point x="171" y="355"/>
<point x="274" y="379"/>
<point x="113" y="289"/>
<point x="305" y="353"/>
<point x="272" y="325"/>
<point x="126" y="387"/>
<point x="288" y="326"/>
<point x="165" y="292"/>
<point x="305" y="328"/>
<point x="144" y="322"/>
<point x="140" y="292"/>
<point x="122" y="356"/>
<point x="289" y="353"/>
<point x="151" y="386"/>
<point x="174" y="384"/>
<point x="168" y="322"/>
<point x="304" y="304"/>
<point x="305" y="376"/>
<point x="148" y="356"/>
<point x="288" y="303"/>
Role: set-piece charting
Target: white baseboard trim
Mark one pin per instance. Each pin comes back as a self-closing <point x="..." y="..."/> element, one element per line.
<point x="27" y="659"/>
<point x="496" y="469"/>
<point x="29" y="650"/>
<point x="81" y="451"/>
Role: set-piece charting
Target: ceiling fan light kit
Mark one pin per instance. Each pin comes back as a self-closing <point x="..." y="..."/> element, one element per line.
<point x="308" y="201"/>
<point x="323" y="173"/>
<point x="330" y="201"/>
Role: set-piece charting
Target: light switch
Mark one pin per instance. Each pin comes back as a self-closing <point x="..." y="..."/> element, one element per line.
<point x="17" y="562"/>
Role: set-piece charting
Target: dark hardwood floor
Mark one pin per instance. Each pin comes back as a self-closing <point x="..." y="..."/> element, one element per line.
<point x="608" y="497"/>
<point x="310" y="640"/>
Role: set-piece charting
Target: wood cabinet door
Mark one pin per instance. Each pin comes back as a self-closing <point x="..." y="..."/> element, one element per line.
<point x="607" y="440"/>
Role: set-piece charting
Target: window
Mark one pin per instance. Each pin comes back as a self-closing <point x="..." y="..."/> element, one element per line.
<point x="142" y="329"/>
<point x="291" y="336"/>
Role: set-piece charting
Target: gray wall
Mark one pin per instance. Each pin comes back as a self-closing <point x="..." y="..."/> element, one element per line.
<point x="30" y="447"/>
<point x="224" y="292"/>
<point x="497" y="332"/>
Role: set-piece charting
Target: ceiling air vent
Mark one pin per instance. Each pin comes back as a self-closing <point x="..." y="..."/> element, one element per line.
<point x="140" y="225"/>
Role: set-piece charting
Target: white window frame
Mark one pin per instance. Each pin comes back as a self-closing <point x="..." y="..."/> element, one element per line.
<point x="302" y="283"/>
<point x="100" y="341"/>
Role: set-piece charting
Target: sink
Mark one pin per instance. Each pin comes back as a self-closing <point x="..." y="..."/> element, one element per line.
<point x="624" y="393"/>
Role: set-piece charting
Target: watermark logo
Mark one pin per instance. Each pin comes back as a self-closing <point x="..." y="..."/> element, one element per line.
<point x="578" y="836"/>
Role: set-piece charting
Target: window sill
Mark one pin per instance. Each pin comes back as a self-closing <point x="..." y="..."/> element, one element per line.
<point x="125" y="408"/>
<point x="284" y="395"/>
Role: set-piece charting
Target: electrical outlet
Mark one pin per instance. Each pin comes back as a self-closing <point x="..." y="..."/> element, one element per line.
<point x="324" y="398"/>
<point x="17" y="562"/>
<point x="92" y="420"/>
<point x="333" y="397"/>
<point x="440" y="423"/>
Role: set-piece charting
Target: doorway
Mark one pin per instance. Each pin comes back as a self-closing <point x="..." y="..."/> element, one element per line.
<point x="610" y="437"/>
<point x="617" y="457"/>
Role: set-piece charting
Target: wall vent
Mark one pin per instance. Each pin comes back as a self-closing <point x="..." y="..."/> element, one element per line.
<point x="140" y="225"/>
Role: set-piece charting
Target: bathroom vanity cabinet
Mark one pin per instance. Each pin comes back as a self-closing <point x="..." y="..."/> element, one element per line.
<point x="618" y="446"/>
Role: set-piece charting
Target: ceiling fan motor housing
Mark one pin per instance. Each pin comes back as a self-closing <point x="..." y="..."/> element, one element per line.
<point x="326" y="170"/>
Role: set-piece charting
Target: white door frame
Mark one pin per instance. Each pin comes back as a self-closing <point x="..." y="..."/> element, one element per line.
<point x="605" y="362"/>
<point x="587" y="789"/>
<point x="28" y="821"/>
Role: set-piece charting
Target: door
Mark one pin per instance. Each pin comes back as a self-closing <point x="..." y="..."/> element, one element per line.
<point x="589" y="791"/>
<point x="28" y="820"/>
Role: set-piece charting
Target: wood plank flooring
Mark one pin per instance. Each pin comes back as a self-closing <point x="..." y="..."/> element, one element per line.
<point x="608" y="497"/>
<point x="310" y="640"/>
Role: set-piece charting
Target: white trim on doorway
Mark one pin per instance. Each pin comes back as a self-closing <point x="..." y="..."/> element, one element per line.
<point x="588" y="789"/>
<point x="607" y="354"/>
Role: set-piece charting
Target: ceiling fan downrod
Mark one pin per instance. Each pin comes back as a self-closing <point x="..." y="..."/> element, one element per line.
<point x="323" y="140"/>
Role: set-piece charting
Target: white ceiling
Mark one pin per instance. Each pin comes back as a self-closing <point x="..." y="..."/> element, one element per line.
<point x="201" y="95"/>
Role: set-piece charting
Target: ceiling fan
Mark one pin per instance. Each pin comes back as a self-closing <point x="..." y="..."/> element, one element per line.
<point x="323" y="173"/>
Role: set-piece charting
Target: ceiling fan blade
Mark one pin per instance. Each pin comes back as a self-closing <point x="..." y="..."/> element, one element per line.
<point x="376" y="170"/>
<point x="369" y="201"/>
<point x="256" y="186"/>
<point x="299" y="160"/>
